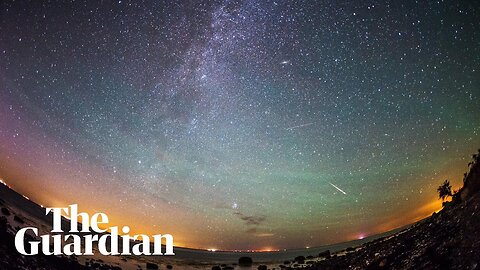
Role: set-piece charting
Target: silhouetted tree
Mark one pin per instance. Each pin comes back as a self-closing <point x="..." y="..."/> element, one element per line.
<point x="444" y="190"/>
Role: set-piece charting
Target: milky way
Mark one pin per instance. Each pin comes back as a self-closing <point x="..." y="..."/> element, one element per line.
<point x="240" y="124"/>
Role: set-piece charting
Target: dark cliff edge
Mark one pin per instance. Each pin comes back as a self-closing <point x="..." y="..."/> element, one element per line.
<point x="471" y="181"/>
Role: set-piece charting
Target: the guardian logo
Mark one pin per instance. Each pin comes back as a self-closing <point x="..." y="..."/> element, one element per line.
<point x="82" y="242"/>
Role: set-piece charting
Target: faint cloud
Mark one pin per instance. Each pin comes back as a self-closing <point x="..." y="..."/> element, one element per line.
<point x="251" y="220"/>
<point x="253" y="223"/>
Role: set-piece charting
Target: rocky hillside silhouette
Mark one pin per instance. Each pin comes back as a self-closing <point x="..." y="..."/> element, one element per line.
<point x="471" y="182"/>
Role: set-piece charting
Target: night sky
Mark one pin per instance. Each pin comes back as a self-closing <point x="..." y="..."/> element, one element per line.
<point x="240" y="124"/>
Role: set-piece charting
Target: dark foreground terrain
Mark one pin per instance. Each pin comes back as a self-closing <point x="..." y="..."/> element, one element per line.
<point x="449" y="239"/>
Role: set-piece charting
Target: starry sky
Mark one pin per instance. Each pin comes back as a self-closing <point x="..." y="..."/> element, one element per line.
<point x="240" y="124"/>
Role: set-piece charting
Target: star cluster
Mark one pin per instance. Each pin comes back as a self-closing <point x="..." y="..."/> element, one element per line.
<point x="240" y="124"/>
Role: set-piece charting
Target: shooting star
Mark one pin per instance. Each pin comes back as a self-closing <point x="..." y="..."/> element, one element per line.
<point x="299" y="126"/>
<point x="338" y="188"/>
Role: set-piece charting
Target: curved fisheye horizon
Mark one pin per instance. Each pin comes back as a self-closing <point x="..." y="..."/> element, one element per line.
<point x="240" y="125"/>
<point x="435" y="206"/>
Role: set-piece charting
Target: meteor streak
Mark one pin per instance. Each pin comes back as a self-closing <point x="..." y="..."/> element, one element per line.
<point x="338" y="188"/>
<point x="299" y="126"/>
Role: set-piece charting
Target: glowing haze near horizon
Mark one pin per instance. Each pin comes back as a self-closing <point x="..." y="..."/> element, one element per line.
<point x="240" y="124"/>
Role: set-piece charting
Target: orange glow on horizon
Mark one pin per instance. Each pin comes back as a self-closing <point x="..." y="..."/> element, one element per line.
<point x="410" y="218"/>
<point x="116" y="220"/>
